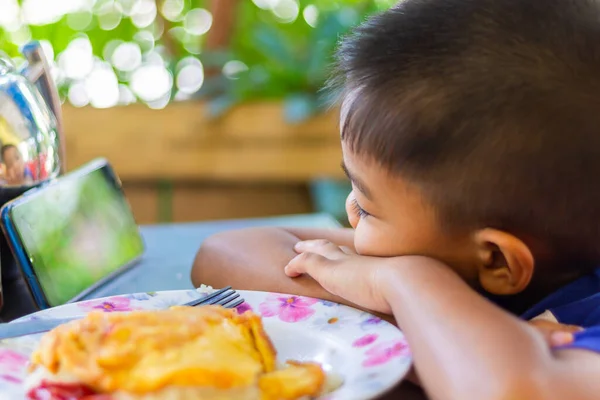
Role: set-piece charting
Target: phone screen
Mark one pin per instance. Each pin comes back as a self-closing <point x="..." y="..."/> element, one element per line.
<point x="76" y="232"/>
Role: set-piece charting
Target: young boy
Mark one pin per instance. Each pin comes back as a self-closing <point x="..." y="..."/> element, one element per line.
<point x="16" y="172"/>
<point x="471" y="133"/>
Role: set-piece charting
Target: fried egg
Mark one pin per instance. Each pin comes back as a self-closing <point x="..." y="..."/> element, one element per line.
<point x="182" y="353"/>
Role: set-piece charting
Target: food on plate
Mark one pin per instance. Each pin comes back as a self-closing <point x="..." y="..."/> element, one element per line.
<point x="208" y="353"/>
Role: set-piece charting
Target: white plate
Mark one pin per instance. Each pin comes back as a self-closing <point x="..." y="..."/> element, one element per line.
<point x="368" y="354"/>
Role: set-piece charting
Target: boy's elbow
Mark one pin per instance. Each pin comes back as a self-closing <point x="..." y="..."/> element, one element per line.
<point x="209" y="260"/>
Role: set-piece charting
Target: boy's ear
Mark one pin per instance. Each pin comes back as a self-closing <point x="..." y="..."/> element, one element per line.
<point x="506" y="262"/>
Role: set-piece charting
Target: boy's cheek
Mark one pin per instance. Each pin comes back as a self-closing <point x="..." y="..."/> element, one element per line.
<point x="367" y="243"/>
<point x="361" y="243"/>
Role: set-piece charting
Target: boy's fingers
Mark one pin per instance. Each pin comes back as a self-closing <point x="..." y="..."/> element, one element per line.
<point x="560" y="338"/>
<point x="556" y="334"/>
<point x="305" y="263"/>
<point x="347" y="250"/>
<point x="321" y="246"/>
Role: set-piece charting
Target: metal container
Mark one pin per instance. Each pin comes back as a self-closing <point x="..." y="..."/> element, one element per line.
<point x="31" y="152"/>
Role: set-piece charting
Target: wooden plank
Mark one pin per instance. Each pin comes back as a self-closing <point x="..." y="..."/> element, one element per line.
<point x="190" y="119"/>
<point x="208" y="201"/>
<point x="253" y="142"/>
<point x="143" y="199"/>
<point x="198" y="202"/>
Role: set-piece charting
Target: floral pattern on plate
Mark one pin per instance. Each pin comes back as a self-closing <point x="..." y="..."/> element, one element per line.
<point x="368" y="354"/>
<point x="113" y="304"/>
<point x="287" y="308"/>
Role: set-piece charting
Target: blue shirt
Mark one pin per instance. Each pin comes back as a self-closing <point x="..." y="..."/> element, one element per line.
<point x="578" y="303"/>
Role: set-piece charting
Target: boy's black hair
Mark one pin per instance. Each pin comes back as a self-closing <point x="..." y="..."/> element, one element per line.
<point x="5" y="148"/>
<point x="492" y="108"/>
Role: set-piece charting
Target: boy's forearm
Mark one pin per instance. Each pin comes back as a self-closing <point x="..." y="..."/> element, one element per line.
<point x="253" y="259"/>
<point x="466" y="348"/>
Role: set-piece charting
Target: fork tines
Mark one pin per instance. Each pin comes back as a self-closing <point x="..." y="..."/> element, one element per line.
<point x="225" y="297"/>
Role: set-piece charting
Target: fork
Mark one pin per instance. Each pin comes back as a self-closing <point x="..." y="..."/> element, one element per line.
<point x="225" y="297"/>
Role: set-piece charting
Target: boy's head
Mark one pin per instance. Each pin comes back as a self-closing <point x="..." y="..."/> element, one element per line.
<point x="471" y="131"/>
<point x="10" y="155"/>
<point x="15" y="165"/>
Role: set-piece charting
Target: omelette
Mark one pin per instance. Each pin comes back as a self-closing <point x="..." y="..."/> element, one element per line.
<point x="207" y="353"/>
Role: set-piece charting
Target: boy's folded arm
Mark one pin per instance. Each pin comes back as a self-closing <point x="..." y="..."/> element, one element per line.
<point x="253" y="259"/>
<point x="466" y="348"/>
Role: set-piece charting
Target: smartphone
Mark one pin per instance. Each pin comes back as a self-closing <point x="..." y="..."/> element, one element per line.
<point x="72" y="235"/>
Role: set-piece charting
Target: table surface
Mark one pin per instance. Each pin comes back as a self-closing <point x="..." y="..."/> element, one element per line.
<point x="170" y="251"/>
<point x="171" y="248"/>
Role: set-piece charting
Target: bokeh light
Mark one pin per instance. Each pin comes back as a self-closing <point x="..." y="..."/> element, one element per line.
<point x="145" y="40"/>
<point x="109" y="15"/>
<point x="102" y="86"/>
<point x="151" y="82"/>
<point x="127" y="6"/>
<point x="9" y="17"/>
<point x="265" y="4"/>
<point x="21" y="36"/>
<point x="311" y="15"/>
<point x="78" y="94"/>
<point x="110" y="47"/>
<point x="190" y="75"/>
<point x="233" y="68"/>
<point x="153" y="50"/>
<point x="43" y="12"/>
<point x="127" y="56"/>
<point x="172" y="10"/>
<point x="80" y="20"/>
<point x="77" y="60"/>
<point x="286" y="10"/>
<point x="198" y="21"/>
<point x="160" y="103"/>
<point x="126" y="96"/>
<point x="154" y="57"/>
<point x="143" y="13"/>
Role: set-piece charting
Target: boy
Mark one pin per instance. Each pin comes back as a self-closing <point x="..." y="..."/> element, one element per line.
<point x="15" y="171"/>
<point x="470" y="132"/>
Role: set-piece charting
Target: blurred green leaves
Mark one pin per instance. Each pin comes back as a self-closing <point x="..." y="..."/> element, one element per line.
<point x="279" y="49"/>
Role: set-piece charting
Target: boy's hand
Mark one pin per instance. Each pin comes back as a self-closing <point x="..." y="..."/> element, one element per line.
<point x="556" y="334"/>
<point x="353" y="277"/>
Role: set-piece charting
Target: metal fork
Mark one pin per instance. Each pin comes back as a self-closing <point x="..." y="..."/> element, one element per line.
<point x="225" y="297"/>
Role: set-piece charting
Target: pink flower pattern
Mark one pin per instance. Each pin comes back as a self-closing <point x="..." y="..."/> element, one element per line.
<point x="365" y="340"/>
<point x="242" y="308"/>
<point x="12" y="365"/>
<point x="370" y="323"/>
<point x="287" y="308"/>
<point x="114" y="304"/>
<point x="384" y="352"/>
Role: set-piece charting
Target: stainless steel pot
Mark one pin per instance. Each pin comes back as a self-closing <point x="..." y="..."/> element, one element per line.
<point x="31" y="152"/>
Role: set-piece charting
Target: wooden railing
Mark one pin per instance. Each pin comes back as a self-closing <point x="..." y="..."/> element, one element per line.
<point x="177" y="161"/>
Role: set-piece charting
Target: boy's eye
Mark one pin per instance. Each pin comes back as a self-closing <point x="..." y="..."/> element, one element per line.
<point x="359" y="210"/>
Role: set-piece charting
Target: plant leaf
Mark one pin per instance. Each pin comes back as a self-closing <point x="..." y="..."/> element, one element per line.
<point x="299" y="107"/>
<point x="218" y="106"/>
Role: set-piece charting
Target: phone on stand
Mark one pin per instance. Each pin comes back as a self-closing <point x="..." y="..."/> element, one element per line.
<point x="72" y="235"/>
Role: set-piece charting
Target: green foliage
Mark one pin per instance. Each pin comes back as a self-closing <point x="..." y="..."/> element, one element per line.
<point x="273" y="54"/>
<point x="290" y="61"/>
